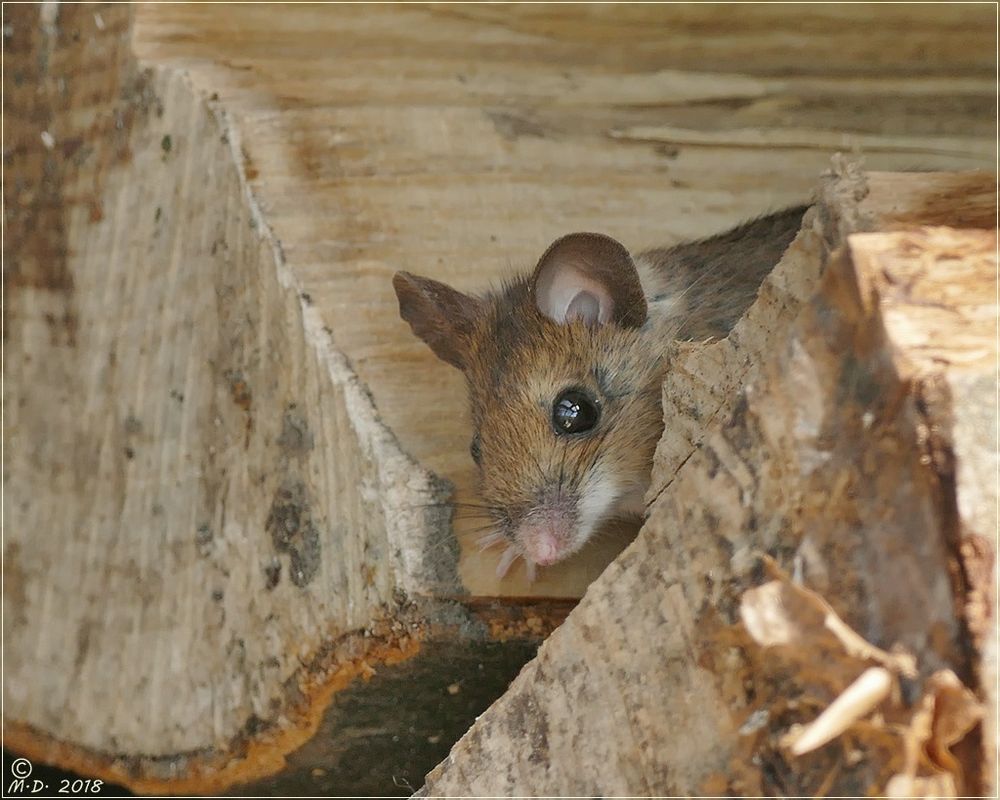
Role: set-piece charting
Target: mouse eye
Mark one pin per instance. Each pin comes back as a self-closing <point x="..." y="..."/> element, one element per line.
<point x="474" y="449"/>
<point x="574" y="412"/>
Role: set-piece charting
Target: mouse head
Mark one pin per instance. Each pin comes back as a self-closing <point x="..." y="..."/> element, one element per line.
<point x="564" y="389"/>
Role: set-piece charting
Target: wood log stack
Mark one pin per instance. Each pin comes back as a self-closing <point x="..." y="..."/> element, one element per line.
<point x="230" y="557"/>
<point x="820" y="521"/>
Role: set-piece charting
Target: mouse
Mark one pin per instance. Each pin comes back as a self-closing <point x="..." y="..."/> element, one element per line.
<point x="564" y="367"/>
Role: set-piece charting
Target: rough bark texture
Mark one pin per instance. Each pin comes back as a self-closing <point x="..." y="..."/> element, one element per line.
<point x="227" y="461"/>
<point x="820" y="436"/>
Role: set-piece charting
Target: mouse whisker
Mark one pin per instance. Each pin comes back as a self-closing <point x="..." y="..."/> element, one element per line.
<point x="506" y="559"/>
<point x="538" y="466"/>
<point x="487" y="526"/>
<point x="491" y="539"/>
<point x="548" y="469"/>
<point x="461" y="515"/>
<point x="598" y="447"/>
<point x="562" y="466"/>
<point x="486" y="506"/>
<point x="581" y="453"/>
<point x="457" y="504"/>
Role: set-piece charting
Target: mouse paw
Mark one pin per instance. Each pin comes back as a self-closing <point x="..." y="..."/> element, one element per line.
<point x="509" y="556"/>
<point x="506" y="559"/>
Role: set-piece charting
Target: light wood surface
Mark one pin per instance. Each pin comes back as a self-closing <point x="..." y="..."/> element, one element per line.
<point x="226" y="458"/>
<point x="458" y="141"/>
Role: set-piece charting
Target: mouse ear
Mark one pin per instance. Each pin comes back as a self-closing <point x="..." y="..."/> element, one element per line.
<point x="443" y="317"/>
<point x="591" y="277"/>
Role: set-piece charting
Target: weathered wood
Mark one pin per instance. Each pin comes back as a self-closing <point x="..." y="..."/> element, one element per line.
<point x="228" y="460"/>
<point x="825" y="442"/>
<point x="459" y="141"/>
<point x="182" y="510"/>
<point x="185" y="538"/>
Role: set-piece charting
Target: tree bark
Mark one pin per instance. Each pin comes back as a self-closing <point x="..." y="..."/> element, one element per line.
<point x="229" y="466"/>
<point x="828" y="469"/>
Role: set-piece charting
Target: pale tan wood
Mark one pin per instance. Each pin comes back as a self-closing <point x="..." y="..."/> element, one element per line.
<point x="458" y="141"/>
<point x="201" y="506"/>
<point x="936" y="293"/>
<point x="201" y="334"/>
<point x="182" y="511"/>
<point x="824" y="440"/>
<point x="976" y="150"/>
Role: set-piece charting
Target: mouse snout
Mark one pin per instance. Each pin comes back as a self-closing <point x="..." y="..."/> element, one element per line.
<point x="547" y="534"/>
<point x="544" y="543"/>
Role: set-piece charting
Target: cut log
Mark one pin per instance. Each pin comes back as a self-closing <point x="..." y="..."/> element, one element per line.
<point x="459" y="142"/>
<point x="229" y="466"/>
<point x="839" y="453"/>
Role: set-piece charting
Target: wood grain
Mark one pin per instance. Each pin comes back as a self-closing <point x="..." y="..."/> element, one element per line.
<point x="185" y="528"/>
<point x="458" y="141"/>
<point x="830" y="452"/>
<point x="227" y="458"/>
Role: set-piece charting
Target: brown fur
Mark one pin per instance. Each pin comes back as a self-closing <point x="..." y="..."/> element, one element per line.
<point x="717" y="278"/>
<point x="517" y="361"/>
<point x="520" y="361"/>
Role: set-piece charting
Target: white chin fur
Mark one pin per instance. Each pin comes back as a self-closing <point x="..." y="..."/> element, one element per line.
<point x="598" y="500"/>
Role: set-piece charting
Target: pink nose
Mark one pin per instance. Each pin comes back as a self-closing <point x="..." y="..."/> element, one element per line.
<point x="545" y="550"/>
<point x="545" y="542"/>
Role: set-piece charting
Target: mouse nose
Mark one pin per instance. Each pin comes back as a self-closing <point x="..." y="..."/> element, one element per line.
<point x="546" y="541"/>
<point x="545" y="550"/>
